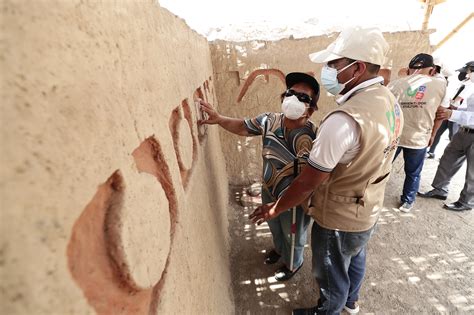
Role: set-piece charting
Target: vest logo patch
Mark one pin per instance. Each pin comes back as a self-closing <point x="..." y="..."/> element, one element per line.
<point x="418" y="92"/>
<point x="397" y="113"/>
<point x="393" y="118"/>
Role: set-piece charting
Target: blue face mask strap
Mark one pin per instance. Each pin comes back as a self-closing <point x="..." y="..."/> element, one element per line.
<point x="345" y="69"/>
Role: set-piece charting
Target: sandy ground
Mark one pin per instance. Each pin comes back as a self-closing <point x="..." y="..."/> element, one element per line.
<point x="418" y="263"/>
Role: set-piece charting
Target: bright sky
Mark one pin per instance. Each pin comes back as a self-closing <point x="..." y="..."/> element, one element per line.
<point x="242" y="20"/>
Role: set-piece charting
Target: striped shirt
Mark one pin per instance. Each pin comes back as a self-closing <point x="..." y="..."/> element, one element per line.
<point x="280" y="148"/>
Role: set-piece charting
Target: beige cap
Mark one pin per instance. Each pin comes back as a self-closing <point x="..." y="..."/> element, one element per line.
<point x="364" y="44"/>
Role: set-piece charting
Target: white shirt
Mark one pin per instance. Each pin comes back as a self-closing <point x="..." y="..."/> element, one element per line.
<point x="468" y="90"/>
<point x="338" y="138"/>
<point x="445" y="100"/>
<point x="464" y="115"/>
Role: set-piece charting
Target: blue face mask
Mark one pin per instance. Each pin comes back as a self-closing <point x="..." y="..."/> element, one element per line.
<point x="329" y="79"/>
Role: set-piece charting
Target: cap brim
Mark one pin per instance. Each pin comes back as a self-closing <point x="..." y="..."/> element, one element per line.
<point x="463" y="69"/>
<point x="324" y="56"/>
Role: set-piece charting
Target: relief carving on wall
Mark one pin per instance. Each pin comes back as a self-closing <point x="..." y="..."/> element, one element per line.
<point x="118" y="253"/>
<point x="385" y="73"/>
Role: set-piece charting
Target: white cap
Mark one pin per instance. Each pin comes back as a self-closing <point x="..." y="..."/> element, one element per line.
<point x="445" y="72"/>
<point x="363" y="44"/>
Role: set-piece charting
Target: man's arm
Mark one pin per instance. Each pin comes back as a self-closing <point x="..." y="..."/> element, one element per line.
<point x="338" y="135"/>
<point x="458" y="116"/>
<point x="299" y="191"/>
<point x="436" y="124"/>
<point x="234" y="125"/>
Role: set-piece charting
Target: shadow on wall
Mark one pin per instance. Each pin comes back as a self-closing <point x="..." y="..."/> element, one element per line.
<point x="118" y="254"/>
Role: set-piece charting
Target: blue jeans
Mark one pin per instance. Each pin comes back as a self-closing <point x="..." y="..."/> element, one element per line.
<point x="338" y="266"/>
<point x="414" y="160"/>
<point x="280" y="227"/>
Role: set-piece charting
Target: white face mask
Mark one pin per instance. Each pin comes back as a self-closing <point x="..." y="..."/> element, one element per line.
<point x="292" y="108"/>
<point x="329" y="79"/>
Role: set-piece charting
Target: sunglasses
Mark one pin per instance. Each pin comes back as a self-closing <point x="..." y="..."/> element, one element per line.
<point x="302" y="97"/>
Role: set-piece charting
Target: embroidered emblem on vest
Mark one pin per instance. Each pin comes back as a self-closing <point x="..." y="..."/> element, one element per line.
<point x="418" y="92"/>
<point x="393" y="118"/>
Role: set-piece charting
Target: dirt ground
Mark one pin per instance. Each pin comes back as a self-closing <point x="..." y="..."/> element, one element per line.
<point x="418" y="263"/>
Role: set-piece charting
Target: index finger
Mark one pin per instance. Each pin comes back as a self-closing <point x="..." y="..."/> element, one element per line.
<point x="204" y="103"/>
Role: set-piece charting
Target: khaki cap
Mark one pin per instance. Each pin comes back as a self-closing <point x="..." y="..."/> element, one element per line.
<point x="363" y="44"/>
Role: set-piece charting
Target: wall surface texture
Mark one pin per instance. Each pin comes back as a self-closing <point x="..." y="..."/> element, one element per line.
<point x="234" y="62"/>
<point x="113" y="200"/>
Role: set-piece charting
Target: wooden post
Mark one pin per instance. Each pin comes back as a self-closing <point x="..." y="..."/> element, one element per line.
<point x="454" y="31"/>
<point x="429" y="9"/>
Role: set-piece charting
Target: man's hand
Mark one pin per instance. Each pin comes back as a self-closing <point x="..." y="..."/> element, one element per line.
<point x="213" y="115"/>
<point x="263" y="213"/>
<point x="453" y="103"/>
<point x="297" y="193"/>
<point x="443" y="113"/>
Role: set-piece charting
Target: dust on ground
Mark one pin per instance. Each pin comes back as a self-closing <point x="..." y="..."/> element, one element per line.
<point x="420" y="262"/>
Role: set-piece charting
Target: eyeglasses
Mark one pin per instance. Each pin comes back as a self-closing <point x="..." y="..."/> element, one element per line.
<point x="302" y="97"/>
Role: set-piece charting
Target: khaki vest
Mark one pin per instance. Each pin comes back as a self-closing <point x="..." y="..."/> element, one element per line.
<point x="419" y="97"/>
<point x="351" y="199"/>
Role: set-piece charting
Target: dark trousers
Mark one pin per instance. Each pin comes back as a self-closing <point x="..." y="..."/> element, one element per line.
<point x="460" y="149"/>
<point x="338" y="266"/>
<point x="280" y="227"/>
<point x="414" y="160"/>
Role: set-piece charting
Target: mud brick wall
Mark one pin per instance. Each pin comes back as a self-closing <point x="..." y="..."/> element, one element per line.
<point x="113" y="201"/>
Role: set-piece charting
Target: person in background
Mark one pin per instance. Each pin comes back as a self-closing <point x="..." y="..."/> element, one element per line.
<point x="460" y="149"/>
<point x="286" y="136"/>
<point x="452" y="127"/>
<point x="419" y="95"/>
<point x="348" y="167"/>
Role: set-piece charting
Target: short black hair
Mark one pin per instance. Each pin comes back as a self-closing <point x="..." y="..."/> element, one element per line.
<point x="372" y="68"/>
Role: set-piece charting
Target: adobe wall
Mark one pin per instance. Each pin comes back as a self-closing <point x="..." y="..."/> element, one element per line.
<point x="233" y="62"/>
<point x="113" y="202"/>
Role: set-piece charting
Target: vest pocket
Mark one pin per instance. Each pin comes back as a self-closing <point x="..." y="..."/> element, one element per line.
<point x="343" y="199"/>
<point x="347" y="205"/>
<point x="373" y="197"/>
